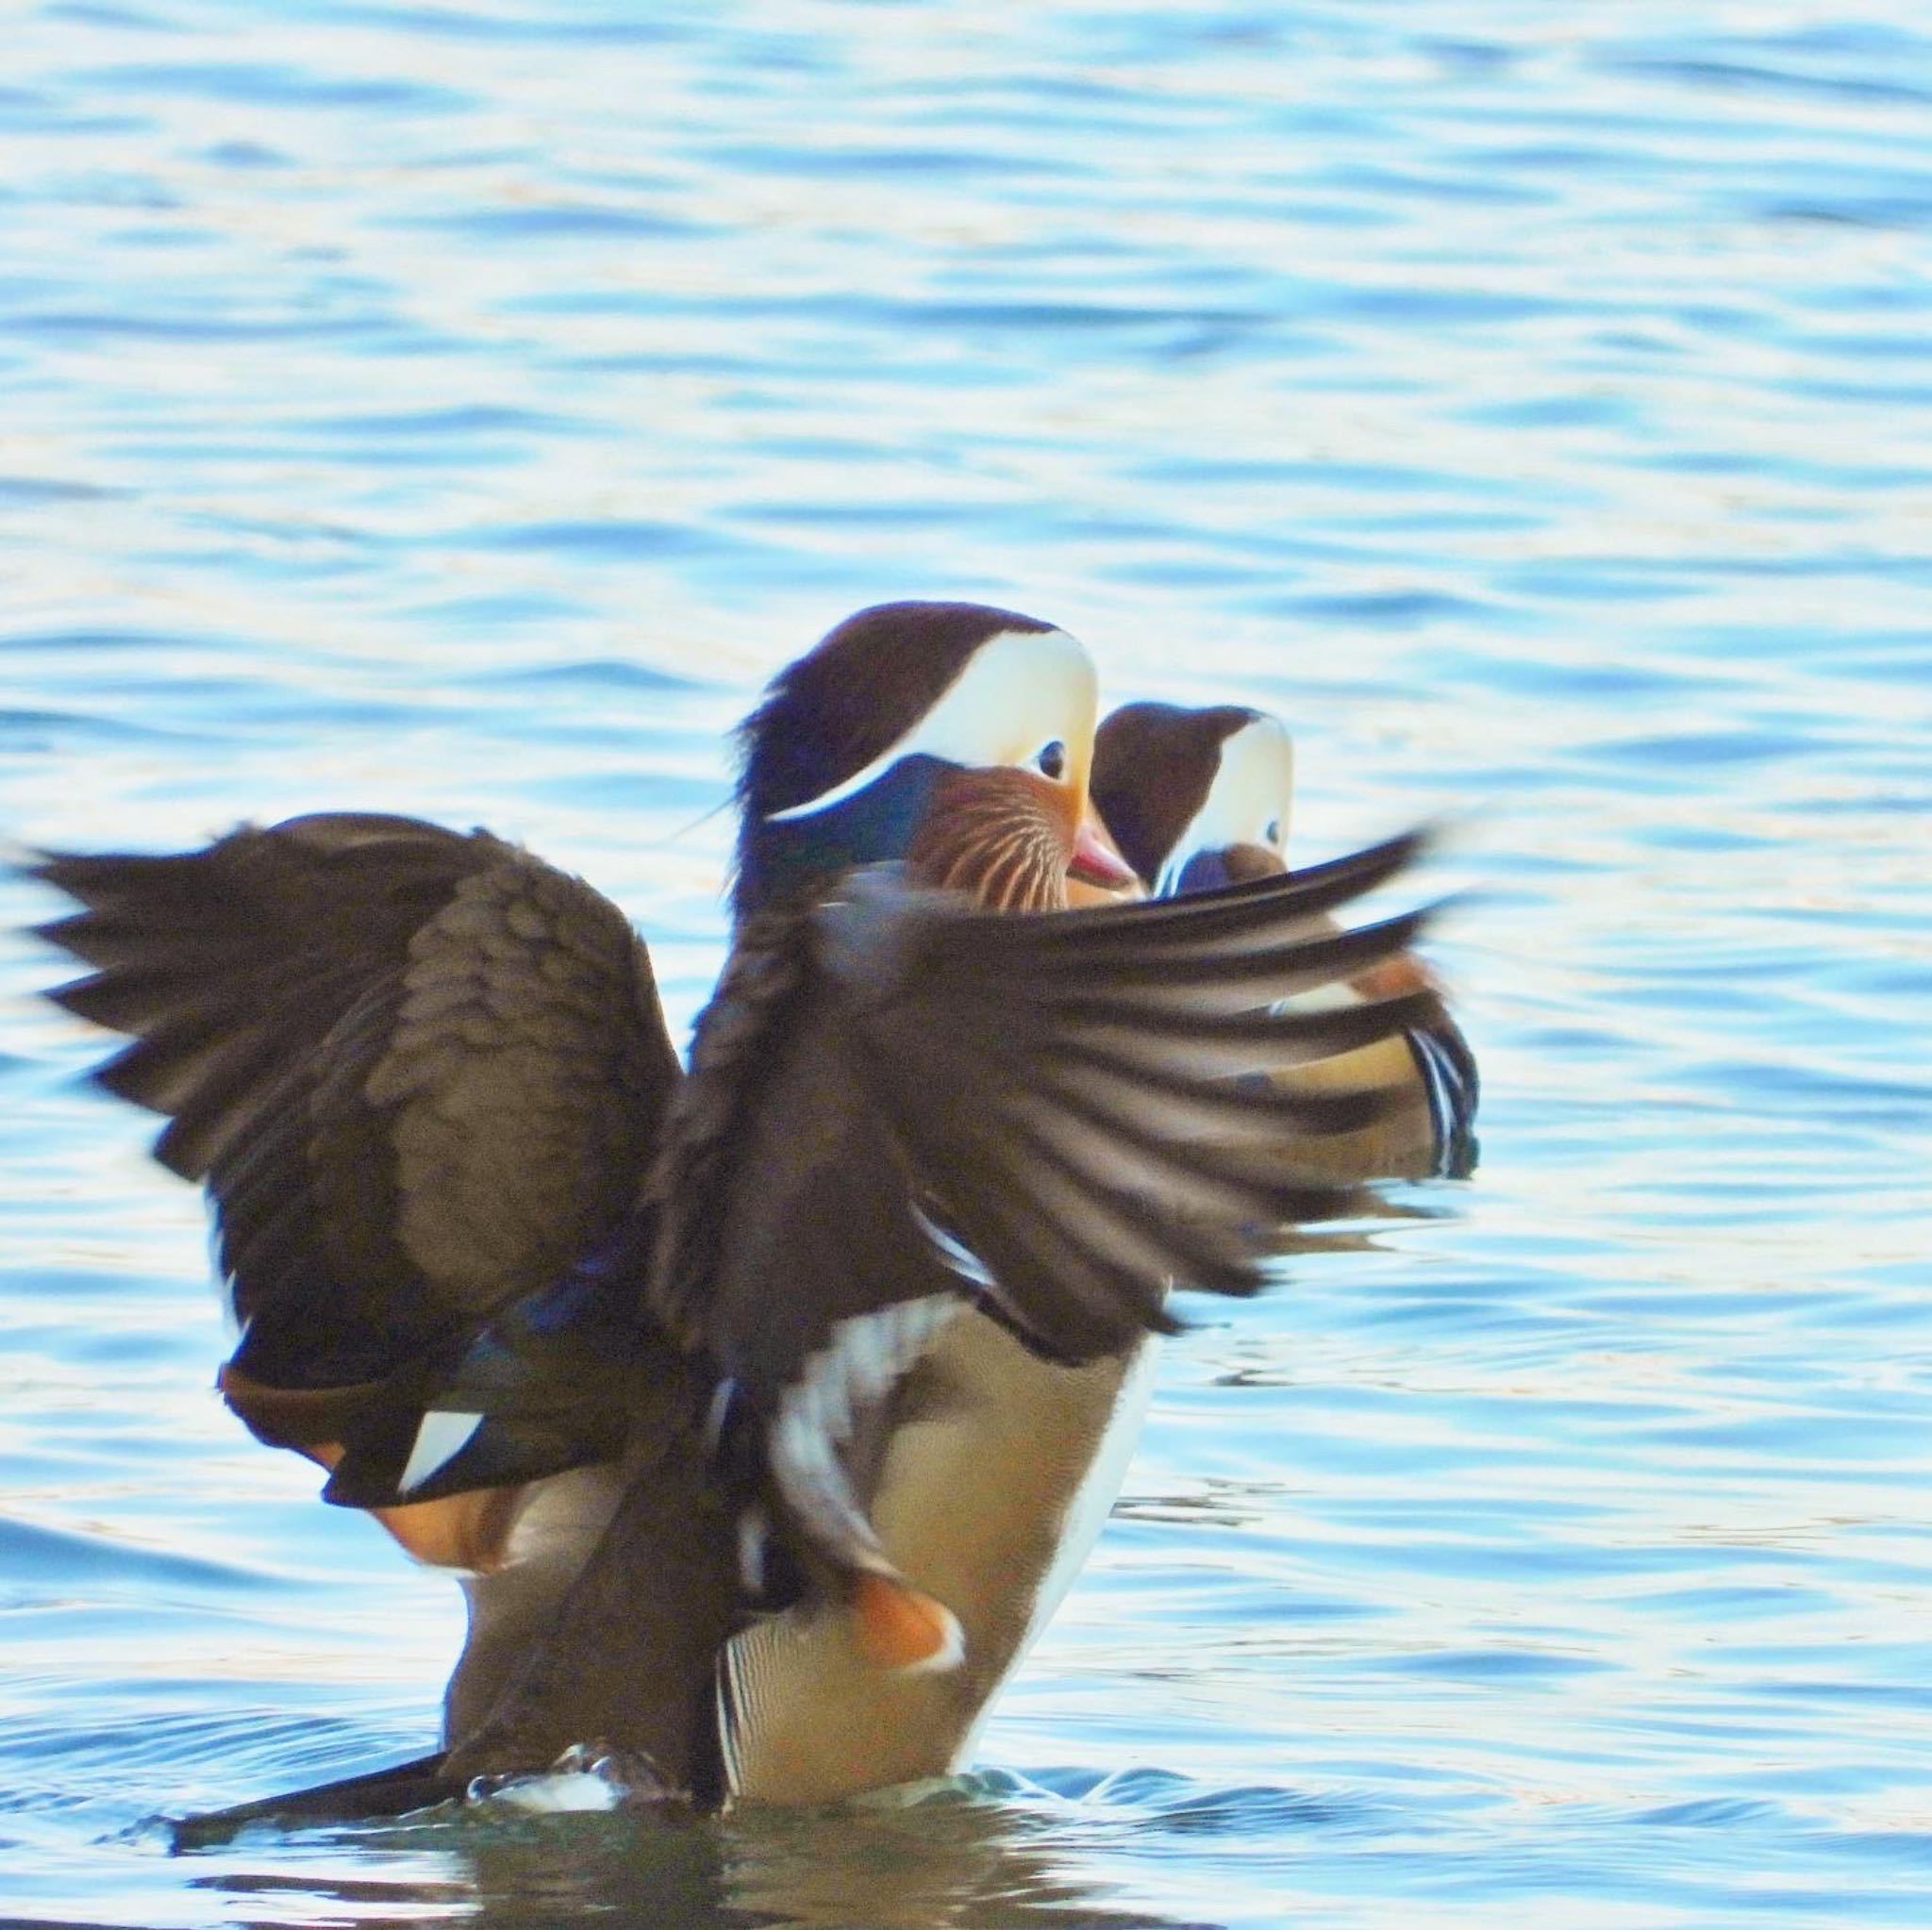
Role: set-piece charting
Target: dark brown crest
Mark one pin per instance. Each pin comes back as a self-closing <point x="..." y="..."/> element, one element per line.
<point x="861" y="688"/>
<point x="1154" y="765"/>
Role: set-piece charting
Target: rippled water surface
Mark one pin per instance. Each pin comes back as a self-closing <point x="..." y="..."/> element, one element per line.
<point x="460" y="408"/>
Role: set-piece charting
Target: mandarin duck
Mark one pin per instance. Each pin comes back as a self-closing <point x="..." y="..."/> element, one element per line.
<point x="1198" y="799"/>
<point x="697" y="1373"/>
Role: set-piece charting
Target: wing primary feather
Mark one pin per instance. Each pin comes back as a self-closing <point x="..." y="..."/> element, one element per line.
<point x="1279" y="902"/>
<point x="1229" y="1045"/>
<point x="1187" y="1106"/>
<point x="1095" y="1147"/>
<point x="1265" y="962"/>
<point x="1048" y="1289"/>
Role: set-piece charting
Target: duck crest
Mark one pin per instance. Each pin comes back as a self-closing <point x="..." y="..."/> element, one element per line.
<point x="856" y="693"/>
<point x="1154" y="765"/>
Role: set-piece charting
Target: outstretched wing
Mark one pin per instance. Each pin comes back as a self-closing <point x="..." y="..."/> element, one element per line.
<point x="897" y="1100"/>
<point x="421" y="1075"/>
<point x="896" y="1103"/>
<point x="1068" y="1088"/>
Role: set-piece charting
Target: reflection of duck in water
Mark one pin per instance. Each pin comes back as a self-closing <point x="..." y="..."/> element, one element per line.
<point x="1200" y="799"/>
<point x="836" y="1324"/>
<point x="990" y="1859"/>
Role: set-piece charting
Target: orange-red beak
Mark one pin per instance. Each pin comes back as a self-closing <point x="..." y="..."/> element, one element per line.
<point x="1096" y="860"/>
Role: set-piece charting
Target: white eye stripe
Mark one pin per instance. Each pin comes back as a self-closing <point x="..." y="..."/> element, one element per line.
<point x="1248" y="799"/>
<point x="1020" y="692"/>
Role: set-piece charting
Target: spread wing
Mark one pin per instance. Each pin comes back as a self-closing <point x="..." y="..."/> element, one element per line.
<point x="896" y="1103"/>
<point x="899" y="1097"/>
<point x="420" y="1073"/>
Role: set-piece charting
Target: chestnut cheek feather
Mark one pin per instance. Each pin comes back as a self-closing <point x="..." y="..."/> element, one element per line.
<point x="1004" y="837"/>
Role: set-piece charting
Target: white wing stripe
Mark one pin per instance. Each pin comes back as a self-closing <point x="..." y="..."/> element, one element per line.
<point x="862" y="1358"/>
<point x="440" y="1440"/>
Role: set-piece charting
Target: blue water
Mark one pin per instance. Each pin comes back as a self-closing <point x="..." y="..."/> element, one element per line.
<point x="460" y="408"/>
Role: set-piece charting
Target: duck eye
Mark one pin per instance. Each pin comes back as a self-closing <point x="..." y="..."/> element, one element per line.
<point x="1272" y="835"/>
<point x="1052" y="759"/>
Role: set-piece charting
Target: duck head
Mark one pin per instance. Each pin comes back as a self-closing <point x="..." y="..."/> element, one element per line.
<point x="953" y="736"/>
<point x="1195" y="798"/>
<point x="1198" y="799"/>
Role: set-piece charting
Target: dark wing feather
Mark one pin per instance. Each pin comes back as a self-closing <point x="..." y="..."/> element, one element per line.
<point x="781" y="1192"/>
<point x="1055" y="1090"/>
<point x="1227" y="918"/>
<point x="224" y="964"/>
<point x="421" y="1075"/>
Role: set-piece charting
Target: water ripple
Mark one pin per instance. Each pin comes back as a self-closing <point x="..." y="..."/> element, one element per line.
<point x="461" y="407"/>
